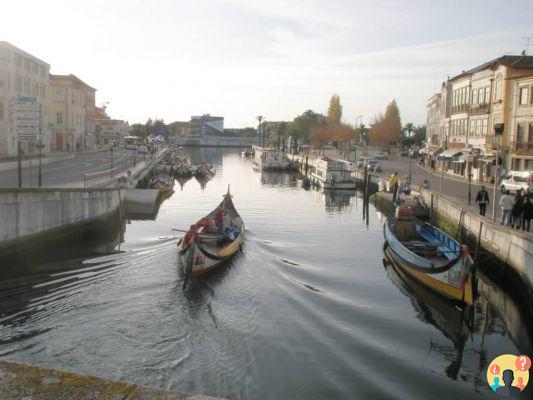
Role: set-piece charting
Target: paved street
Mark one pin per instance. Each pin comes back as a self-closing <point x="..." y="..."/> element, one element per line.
<point x="450" y="186"/>
<point x="68" y="172"/>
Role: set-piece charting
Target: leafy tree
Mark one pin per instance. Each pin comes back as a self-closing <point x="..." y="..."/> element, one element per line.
<point x="386" y="129"/>
<point x="409" y="127"/>
<point x="302" y="124"/>
<point x="335" y="109"/>
<point x="138" y="130"/>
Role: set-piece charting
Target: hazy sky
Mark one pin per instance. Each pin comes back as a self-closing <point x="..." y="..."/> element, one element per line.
<point x="242" y="58"/>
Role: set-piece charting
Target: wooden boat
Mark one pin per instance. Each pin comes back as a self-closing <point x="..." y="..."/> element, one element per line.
<point x="205" y="169"/>
<point x="163" y="183"/>
<point x="182" y="170"/>
<point x="429" y="255"/>
<point x="205" y="247"/>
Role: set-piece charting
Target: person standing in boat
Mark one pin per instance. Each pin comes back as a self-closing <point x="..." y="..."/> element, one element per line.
<point x="482" y="199"/>
<point x="393" y="182"/>
<point x="219" y="219"/>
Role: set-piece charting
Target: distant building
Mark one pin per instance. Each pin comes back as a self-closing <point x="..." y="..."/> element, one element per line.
<point x="24" y="101"/>
<point x="472" y="106"/>
<point x="179" y="129"/>
<point x="206" y="125"/>
<point x="72" y="102"/>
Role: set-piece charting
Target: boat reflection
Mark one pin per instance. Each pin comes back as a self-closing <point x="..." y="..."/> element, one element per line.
<point x="335" y="200"/>
<point x="277" y="178"/>
<point x="182" y="180"/>
<point x="453" y="323"/>
<point x="202" y="180"/>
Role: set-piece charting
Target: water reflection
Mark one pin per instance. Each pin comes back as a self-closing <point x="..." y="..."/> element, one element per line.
<point x="277" y="178"/>
<point x="336" y="200"/>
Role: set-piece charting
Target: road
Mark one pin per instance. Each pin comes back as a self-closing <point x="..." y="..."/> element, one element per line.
<point x="450" y="187"/>
<point x="68" y="172"/>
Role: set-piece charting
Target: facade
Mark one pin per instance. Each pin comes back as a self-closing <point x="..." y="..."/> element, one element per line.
<point x="472" y="105"/>
<point x="24" y="101"/>
<point x="180" y="129"/>
<point x="72" y="101"/>
<point x="206" y="125"/>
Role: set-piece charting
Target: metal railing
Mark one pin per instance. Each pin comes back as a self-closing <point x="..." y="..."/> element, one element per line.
<point x="100" y="178"/>
<point x="522" y="146"/>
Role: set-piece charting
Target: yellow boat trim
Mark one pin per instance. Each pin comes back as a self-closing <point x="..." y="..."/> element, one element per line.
<point x="232" y="248"/>
<point x="444" y="288"/>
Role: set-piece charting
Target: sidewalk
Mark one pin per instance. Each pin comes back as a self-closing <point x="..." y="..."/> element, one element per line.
<point x="8" y="164"/>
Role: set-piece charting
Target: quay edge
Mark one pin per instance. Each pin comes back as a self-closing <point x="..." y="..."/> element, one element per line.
<point x="25" y="381"/>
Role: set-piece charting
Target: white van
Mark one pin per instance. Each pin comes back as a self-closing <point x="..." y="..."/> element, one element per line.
<point x="518" y="181"/>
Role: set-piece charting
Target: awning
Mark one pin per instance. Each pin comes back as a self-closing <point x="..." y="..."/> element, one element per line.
<point x="450" y="153"/>
<point x="462" y="159"/>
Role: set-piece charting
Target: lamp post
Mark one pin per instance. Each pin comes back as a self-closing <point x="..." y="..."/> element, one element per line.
<point x="496" y="174"/>
<point x="410" y="167"/>
<point x="470" y="159"/>
<point x="40" y="175"/>
<point x="134" y="153"/>
<point x="260" y="118"/>
<point x="111" y="150"/>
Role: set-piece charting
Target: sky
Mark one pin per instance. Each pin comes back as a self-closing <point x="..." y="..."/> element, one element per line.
<point x="172" y="59"/>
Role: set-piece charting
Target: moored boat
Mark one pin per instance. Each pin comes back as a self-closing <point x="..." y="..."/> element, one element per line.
<point x="430" y="256"/>
<point x="332" y="174"/>
<point x="163" y="183"/>
<point x="205" y="170"/>
<point x="270" y="159"/>
<point x="212" y="240"/>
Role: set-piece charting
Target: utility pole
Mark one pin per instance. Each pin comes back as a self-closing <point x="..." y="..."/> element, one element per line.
<point x="40" y="176"/>
<point x="496" y="174"/>
<point x="19" y="162"/>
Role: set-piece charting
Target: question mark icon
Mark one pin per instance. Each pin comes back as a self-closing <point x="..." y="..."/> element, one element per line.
<point x="494" y="369"/>
<point x="522" y="363"/>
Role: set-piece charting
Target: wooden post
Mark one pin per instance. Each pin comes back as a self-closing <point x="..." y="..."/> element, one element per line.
<point x="431" y="211"/>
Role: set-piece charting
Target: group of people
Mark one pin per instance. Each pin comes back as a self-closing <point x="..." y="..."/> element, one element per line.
<point x="517" y="210"/>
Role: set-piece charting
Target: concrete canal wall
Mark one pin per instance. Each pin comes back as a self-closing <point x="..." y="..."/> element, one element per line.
<point x="24" y="381"/>
<point x="513" y="247"/>
<point x="217" y="141"/>
<point x="37" y="220"/>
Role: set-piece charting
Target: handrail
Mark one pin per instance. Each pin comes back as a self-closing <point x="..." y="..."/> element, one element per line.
<point x="100" y="178"/>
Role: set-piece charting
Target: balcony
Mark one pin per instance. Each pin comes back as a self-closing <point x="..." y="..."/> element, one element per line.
<point x="461" y="108"/>
<point x="490" y="142"/>
<point x="480" y="108"/>
<point x="522" y="146"/>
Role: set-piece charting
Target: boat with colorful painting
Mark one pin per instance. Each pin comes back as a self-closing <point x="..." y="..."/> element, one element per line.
<point x="212" y="240"/>
<point x="429" y="255"/>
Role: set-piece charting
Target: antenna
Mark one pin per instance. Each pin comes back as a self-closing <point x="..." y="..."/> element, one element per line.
<point x="526" y="41"/>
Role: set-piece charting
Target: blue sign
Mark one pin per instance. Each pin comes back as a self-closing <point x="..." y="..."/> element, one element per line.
<point x="446" y="158"/>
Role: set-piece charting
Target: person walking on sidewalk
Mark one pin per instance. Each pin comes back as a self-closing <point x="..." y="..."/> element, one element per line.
<point x="528" y="213"/>
<point x="506" y="203"/>
<point x="518" y="208"/>
<point x="393" y="182"/>
<point x="482" y="199"/>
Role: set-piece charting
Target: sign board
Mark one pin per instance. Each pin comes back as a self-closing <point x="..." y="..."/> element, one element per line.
<point x="445" y="158"/>
<point x="25" y="118"/>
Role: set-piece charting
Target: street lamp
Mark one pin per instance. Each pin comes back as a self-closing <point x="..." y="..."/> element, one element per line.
<point x="260" y="118"/>
<point x="470" y="160"/>
<point x="111" y="150"/>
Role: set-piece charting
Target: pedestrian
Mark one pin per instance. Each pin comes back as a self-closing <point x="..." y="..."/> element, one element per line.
<point x="433" y="165"/>
<point x="518" y="208"/>
<point x="527" y="214"/>
<point x="506" y="203"/>
<point x="393" y="183"/>
<point x="482" y="199"/>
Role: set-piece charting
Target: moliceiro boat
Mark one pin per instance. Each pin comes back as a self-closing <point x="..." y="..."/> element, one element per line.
<point x="212" y="240"/>
<point x="271" y="159"/>
<point x="430" y="256"/>
<point x="332" y="174"/>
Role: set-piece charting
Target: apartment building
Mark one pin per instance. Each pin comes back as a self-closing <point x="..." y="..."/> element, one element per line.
<point x="24" y="101"/>
<point x="469" y="107"/>
<point x="72" y="101"/>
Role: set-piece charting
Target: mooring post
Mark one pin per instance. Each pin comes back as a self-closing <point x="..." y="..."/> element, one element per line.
<point x="431" y="210"/>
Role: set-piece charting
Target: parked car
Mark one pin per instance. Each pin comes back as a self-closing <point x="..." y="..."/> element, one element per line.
<point x="142" y="150"/>
<point x="382" y="155"/>
<point x="518" y="181"/>
<point x="374" y="166"/>
<point x="361" y="161"/>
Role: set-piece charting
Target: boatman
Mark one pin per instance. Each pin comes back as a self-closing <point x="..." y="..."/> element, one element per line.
<point x="219" y="219"/>
<point x="393" y="183"/>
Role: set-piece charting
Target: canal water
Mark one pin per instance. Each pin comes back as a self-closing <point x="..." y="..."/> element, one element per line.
<point x="307" y="311"/>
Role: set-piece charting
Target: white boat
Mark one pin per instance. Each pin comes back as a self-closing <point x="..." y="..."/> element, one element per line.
<point x="270" y="159"/>
<point x="332" y="174"/>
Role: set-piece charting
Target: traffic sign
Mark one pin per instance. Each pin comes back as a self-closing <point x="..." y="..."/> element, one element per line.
<point x="25" y="118"/>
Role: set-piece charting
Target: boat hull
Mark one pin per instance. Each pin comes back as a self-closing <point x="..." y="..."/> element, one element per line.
<point x="451" y="292"/>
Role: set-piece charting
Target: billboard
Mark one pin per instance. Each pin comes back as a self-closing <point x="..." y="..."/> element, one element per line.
<point x="25" y="118"/>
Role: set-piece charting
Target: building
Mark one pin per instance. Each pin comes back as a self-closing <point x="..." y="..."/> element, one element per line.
<point x="72" y="101"/>
<point x="180" y="129"/>
<point x="206" y="125"/>
<point x="24" y="101"/>
<point x="472" y="106"/>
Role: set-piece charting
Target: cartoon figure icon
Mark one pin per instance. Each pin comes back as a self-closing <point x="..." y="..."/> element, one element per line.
<point x="496" y="383"/>
<point x="508" y="374"/>
<point x="508" y="390"/>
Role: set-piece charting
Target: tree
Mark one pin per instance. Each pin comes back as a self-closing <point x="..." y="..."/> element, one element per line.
<point x="319" y="136"/>
<point x="138" y="130"/>
<point x="301" y="125"/>
<point x="409" y="127"/>
<point x="386" y="129"/>
<point x="335" y="109"/>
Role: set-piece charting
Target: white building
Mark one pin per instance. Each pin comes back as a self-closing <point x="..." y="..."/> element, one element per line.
<point x="24" y="77"/>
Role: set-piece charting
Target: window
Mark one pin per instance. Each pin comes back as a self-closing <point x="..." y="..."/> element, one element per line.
<point x="1" y="111"/>
<point x="35" y="91"/>
<point x="59" y="118"/>
<point x="18" y="83"/>
<point x="34" y="67"/>
<point x="523" y="96"/>
<point x="520" y="133"/>
<point x="18" y="60"/>
<point x="474" y="97"/>
<point x="27" y="65"/>
<point x="498" y="91"/>
<point x="484" y="127"/>
<point x="486" y="99"/>
<point x="59" y="95"/>
<point x="27" y="86"/>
